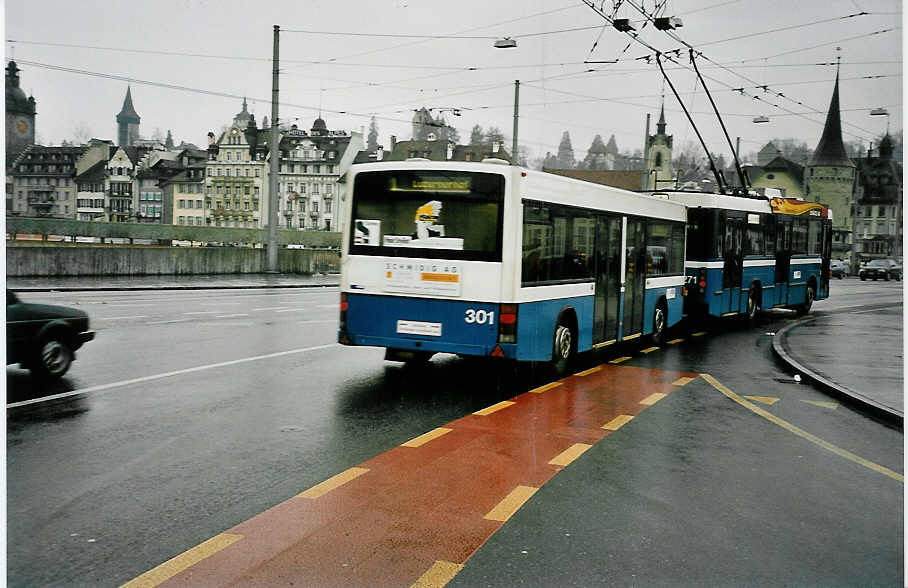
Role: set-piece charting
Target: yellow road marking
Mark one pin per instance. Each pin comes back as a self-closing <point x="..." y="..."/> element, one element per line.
<point x="617" y="422"/>
<point x="682" y="381"/>
<point x="332" y="483"/>
<point x="570" y="454"/>
<point x="650" y="349"/>
<point x="832" y="405"/>
<point x="629" y="337"/>
<point x="590" y="371"/>
<point x="802" y="433"/>
<point x="184" y="561"/>
<point x="605" y="343"/>
<point x="700" y="334"/>
<point x="619" y="360"/>
<point x="653" y="398"/>
<point x="675" y="341"/>
<point x="770" y="400"/>
<point x="494" y="408"/>
<point x="425" y="438"/>
<point x="438" y="575"/>
<point x="509" y="505"/>
<point x="542" y="389"/>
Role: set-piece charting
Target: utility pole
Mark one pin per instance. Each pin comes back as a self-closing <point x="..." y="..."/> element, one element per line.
<point x="516" y="110"/>
<point x="645" y="173"/>
<point x="274" y="175"/>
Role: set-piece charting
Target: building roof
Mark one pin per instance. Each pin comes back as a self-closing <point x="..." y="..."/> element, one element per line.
<point x="830" y="150"/>
<point x="16" y="101"/>
<point x="436" y="150"/>
<point x="93" y="174"/>
<point x="624" y="179"/>
<point x="128" y="111"/>
<point x="781" y="164"/>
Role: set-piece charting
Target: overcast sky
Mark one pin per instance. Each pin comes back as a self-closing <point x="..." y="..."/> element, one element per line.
<point x="192" y="61"/>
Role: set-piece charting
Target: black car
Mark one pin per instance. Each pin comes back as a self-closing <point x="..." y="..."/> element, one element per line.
<point x="884" y="269"/>
<point x="44" y="338"/>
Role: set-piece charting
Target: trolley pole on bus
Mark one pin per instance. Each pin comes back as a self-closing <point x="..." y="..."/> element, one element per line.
<point x="516" y="111"/>
<point x="274" y="175"/>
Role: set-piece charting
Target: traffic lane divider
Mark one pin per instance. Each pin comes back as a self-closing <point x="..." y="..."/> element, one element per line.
<point x="391" y="519"/>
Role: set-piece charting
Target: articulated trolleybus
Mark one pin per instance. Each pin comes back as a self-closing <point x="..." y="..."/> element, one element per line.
<point x="747" y="254"/>
<point x="489" y="259"/>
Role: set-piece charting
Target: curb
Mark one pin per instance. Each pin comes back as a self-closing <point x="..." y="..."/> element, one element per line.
<point x="782" y="350"/>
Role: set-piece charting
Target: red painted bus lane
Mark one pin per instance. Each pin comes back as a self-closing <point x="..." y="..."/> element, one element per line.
<point x="415" y="514"/>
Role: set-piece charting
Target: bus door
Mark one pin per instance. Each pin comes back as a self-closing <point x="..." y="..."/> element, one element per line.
<point x="783" y="258"/>
<point x="826" y="248"/>
<point x="608" y="279"/>
<point x="634" y="279"/>
<point x="733" y="267"/>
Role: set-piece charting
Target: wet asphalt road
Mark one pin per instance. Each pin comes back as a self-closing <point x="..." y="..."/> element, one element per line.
<point x="105" y="485"/>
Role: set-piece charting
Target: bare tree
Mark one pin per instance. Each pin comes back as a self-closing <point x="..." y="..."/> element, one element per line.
<point x="81" y="133"/>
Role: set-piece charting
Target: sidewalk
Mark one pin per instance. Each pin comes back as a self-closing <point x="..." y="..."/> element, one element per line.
<point x="172" y="282"/>
<point x="857" y="356"/>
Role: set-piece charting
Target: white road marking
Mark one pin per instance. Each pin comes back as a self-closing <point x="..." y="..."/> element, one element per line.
<point x="151" y="378"/>
<point x="167" y="322"/>
<point x="231" y="315"/>
<point x="269" y="308"/>
<point x="323" y="321"/>
<point x="328" y="306"/>
<point x="119" y="318"/>
<point x="205" y="312"/>
<point x="291" y="310"/>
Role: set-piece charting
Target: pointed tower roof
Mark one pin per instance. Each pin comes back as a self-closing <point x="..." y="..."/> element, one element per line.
<point x="128" y="109"/>
<point x="660" y="126"/>
<point x="830" y="150"/>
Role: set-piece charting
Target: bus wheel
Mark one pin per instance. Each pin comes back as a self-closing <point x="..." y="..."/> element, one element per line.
<point x="660" y="318"/>
<point x="808" y="301"/>
<point x="753" y="307"/>
<point x="562" y="349"/>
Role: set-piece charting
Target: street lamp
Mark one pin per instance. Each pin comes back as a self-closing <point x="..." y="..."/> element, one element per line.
<point x="506" y="43"/>
<point x="761" y="119"/>
<point x="881" y="112"/>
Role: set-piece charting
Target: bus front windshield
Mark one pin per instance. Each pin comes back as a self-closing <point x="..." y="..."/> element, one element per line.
<point x="437" y="214"/>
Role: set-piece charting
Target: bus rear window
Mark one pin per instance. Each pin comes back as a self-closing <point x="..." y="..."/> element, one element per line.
<point x="436" y="214"/>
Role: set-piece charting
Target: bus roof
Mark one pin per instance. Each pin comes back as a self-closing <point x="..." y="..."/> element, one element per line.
<point x="723" y="201"/>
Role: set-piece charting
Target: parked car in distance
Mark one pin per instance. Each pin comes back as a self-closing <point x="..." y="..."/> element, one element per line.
<point x="42" y="337"/>
<point x="881" y="269"/>
<point x="837" y="269"/>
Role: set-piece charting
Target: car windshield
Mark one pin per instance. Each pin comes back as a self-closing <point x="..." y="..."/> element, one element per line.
<point x="879" y="263"/>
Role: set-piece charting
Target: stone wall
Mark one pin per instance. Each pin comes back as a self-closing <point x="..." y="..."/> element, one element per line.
<point x="112" y="260"/>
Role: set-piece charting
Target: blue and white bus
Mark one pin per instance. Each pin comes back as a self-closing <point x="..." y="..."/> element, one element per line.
<point x="489" y="259"/>
<point x="747" y="254"/>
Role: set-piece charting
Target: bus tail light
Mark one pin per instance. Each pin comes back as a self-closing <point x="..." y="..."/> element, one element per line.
<point x="701" y="278"/>
<point x="342" y="336"/>
<point x="507" y="323"/>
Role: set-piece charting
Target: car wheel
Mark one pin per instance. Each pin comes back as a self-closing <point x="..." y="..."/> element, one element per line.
<point x="753" y="307"/>
<point x="886" y="277"/>
<point x="809" y="297"/>
<point x="54" y="358"/>
<point x="660" y="320"/>
<point x="863" y="277"/>
<point x="563" y="347"/>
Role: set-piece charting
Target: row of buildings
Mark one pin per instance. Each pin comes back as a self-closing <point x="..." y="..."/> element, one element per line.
<point x="226" y="184"/>
<point x="864" y="193"/>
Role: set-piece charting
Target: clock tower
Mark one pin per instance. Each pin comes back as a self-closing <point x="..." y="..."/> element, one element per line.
<point x="20" y="115"/>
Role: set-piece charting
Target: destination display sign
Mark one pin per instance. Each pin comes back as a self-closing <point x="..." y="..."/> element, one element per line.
<point x="447" y="184"/>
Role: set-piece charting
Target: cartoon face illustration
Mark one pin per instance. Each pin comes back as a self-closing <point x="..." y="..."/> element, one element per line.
<point x="426" y="218"/>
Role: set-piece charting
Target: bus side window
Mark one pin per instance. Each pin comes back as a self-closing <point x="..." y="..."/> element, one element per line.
<point x="799" y="236"/>
<point x="814" y="233"/>
<point x="769" y="236"/>
<point x="754" y="239"/>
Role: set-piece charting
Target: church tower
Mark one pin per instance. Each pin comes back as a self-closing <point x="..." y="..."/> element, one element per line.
<point x="830" y="177"/>
<point x="660" y="173"/>
<point x="20" y="115"/>
<point x="127" y="122"/>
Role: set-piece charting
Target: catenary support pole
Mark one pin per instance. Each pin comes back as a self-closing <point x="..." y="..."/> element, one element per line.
<point x="275" y="154"/>
<point x="516" y="111"/>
